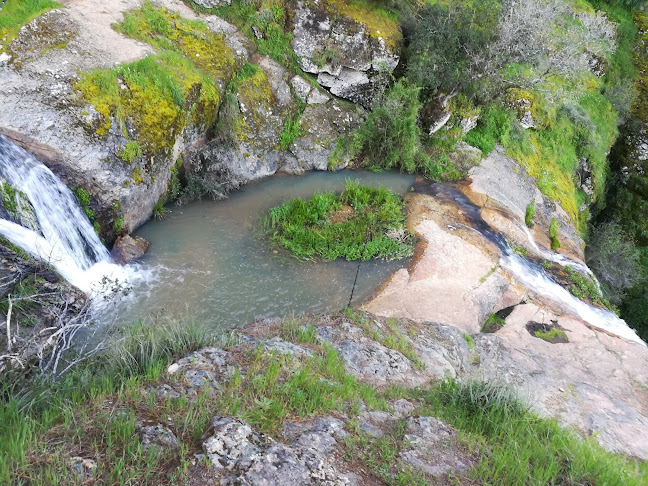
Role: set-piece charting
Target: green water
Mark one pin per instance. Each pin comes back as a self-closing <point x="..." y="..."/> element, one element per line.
<point x="209" y="263"/>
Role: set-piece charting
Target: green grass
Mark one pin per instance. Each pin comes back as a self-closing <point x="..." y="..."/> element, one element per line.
<point x="130" y="152"/>
<point x="93" y="412"/>
<point x="551" y="335"/>
<point x="270" y="18"/>
<point x="493" y="324"/>
<point x="360" y="223"/>
<point x="518" y="447"/>
<point x="17" y="13"/>
<point x="584" y="288"/>
<point x="530" y="214"/>
<point x="553" y="234"/>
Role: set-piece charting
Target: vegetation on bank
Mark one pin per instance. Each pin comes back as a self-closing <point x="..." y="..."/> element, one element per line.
<point x="94" y="412"/>
<point x="16" y="13"/>
<point x="359" y="224"/>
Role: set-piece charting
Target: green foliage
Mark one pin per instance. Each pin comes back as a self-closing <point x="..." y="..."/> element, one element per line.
<point x="291" y="132"/>
<point x="361" y="223"/>
<point x="159" y="211"/>
<point x="553" y="234"/>
<point x="443" y="44"/>
<point x="269" y="18"/>
<point x="469" y="340"/>
<point x="612" y="255"/>
<point x="130" y="151"/>
<point x="584" y="288"/>
<point x="493" y="324"/>
<point x="530" y="214"/>
<point x="517" y="446"/>
<point x="198" y="187"/>
<point x="390" y="138"/>
<point x="520" y="250"/>
<point x="8" y="194"/>
<point x="552" y="335"/>
<point x="494" y="126"/>
<point x="16" y="13"/>
<point x="84" y="200"/>
<point x="118" y="224"/>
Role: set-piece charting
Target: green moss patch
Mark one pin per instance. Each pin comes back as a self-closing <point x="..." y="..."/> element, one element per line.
<point x="159" y="95"/>
<point x="551" y="334"/>
<point x="360" y="223"/>
<point x="380" y="22"/>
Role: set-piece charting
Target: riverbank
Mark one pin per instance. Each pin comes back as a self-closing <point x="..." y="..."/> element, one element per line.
<point x="336" y="399"/>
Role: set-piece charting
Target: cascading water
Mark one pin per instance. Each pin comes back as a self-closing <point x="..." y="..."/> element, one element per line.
<point x="532" y="275"/>
<point x="67" y="240"/>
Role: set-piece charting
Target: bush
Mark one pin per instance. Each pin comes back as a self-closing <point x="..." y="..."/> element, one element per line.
<point x="494" y="126"/>
<point x="614" y="258"/>
<point x="390" y="138"/>
<point x="553" y="234"/>
<point x="530" y="214"/>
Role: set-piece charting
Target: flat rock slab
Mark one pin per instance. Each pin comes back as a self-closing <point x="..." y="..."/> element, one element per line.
<point x="434" y="447"/>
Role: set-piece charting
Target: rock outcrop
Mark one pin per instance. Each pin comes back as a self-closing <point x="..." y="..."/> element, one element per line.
<point x="346" y="47"/>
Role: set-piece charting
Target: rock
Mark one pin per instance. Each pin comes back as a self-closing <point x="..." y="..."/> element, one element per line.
<point x="4" y="58"/>
<point x="255" y="459"/>
<point x="204" y="369"/>
<point x="158" y="436"/>
<point x="433" y="447"/>
<point x="302" y="87"/>
<point x="277" y="77"/>
<point x="83" y="469"/>
<point x="347" y="56"/>
<point x="278" y="345"/>
<point x="321" y="126"/>
<point x="317" y="97"/>
<point x="128" y="249"/>
<point x="403" y="407"/>
<point x="212" y="3"/>
<point x="375" y="364"/>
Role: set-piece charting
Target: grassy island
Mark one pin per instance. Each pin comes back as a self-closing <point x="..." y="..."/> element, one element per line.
<point x="360" y="223"/>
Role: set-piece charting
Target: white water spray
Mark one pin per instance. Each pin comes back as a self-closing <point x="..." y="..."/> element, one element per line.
<point x="67" y="241"/>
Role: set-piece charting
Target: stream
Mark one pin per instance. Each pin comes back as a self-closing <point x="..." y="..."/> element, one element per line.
<point x="208" y="261"/>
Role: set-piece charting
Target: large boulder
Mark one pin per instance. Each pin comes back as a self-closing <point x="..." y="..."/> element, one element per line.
<point x="352" y="50"/>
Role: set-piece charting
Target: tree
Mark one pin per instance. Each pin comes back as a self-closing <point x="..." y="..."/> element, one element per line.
<point x="615" y="259"/>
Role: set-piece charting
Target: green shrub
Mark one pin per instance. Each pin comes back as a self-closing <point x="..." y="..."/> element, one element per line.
<point x="390" y="138"/>
<point x="530" y="214"/>
<point x="360" y="223"/>
<point x="130" y="152"/>
<point x="553" y="234"/>
<point x="493" y="127"/>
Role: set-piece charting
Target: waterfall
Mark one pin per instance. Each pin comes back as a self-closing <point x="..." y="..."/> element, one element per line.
<point x="67" y="240"/>
<point x="532" y="275"/>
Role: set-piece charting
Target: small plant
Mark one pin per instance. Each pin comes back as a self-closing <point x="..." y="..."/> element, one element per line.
<point x="291" y="132"/>
<point x="520" y="250"/>
<point x="553" y="234"/>
<point x="546" y="264"/>
<point x="130" y="152"/>
<point x="552" y="335"/>
<point x="118" y="224"/>
<point x="469" y="339"/>
<point x="493" y="324"/>
<point x="159" y="211"/>
<point x="530" y="214"/>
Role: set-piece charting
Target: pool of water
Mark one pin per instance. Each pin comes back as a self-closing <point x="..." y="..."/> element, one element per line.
<point x="209" y="263"/>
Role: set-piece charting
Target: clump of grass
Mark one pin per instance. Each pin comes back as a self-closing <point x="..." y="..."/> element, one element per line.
<point x="553" y="234"/>
<point x="552" y="335"/>
<point x="360" y="223"/>
<point x="159" y="211"/>
<point x="493" y="324"/>
<point x="469" y="340"/>
<point x="517" y="446"/>
<point x="530" y="214"/>
<point x="584" y="288"/>
<point x="291" y="132"/>
<point x="520" y="250"/>
<point x="16" y="13"/>
<point x="130" y="151"/>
